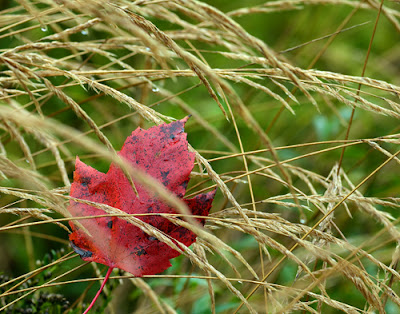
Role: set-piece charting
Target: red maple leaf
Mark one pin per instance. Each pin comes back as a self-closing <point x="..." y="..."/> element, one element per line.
<point x="162" y="152"/>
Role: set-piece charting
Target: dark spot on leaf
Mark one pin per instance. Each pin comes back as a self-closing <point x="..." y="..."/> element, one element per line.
<point x="176" y="127"/>
<point x="152" y="238"/>
<point x="141" y="252"/>
<point x="164" y="175"/>
<point x="185" y="184"/>
<point x="133" y="139"/>
<point x="81" y="252"/>
<point x="110" y="224"/>
<point x="85" y="181"/>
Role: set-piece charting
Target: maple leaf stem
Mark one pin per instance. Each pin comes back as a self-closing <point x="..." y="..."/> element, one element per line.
<point x="101" y="289"/>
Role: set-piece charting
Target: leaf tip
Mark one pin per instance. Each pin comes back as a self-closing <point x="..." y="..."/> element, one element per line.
<point x="185" y="119"/>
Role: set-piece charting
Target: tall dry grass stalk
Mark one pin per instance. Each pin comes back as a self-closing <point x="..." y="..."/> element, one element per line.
<point x="300" y="219"/>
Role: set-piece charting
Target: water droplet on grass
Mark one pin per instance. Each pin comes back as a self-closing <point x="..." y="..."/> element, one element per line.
<point x="85" y="32"/>
<point x="44" y="28"/>
<point x="155" y="89"/>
